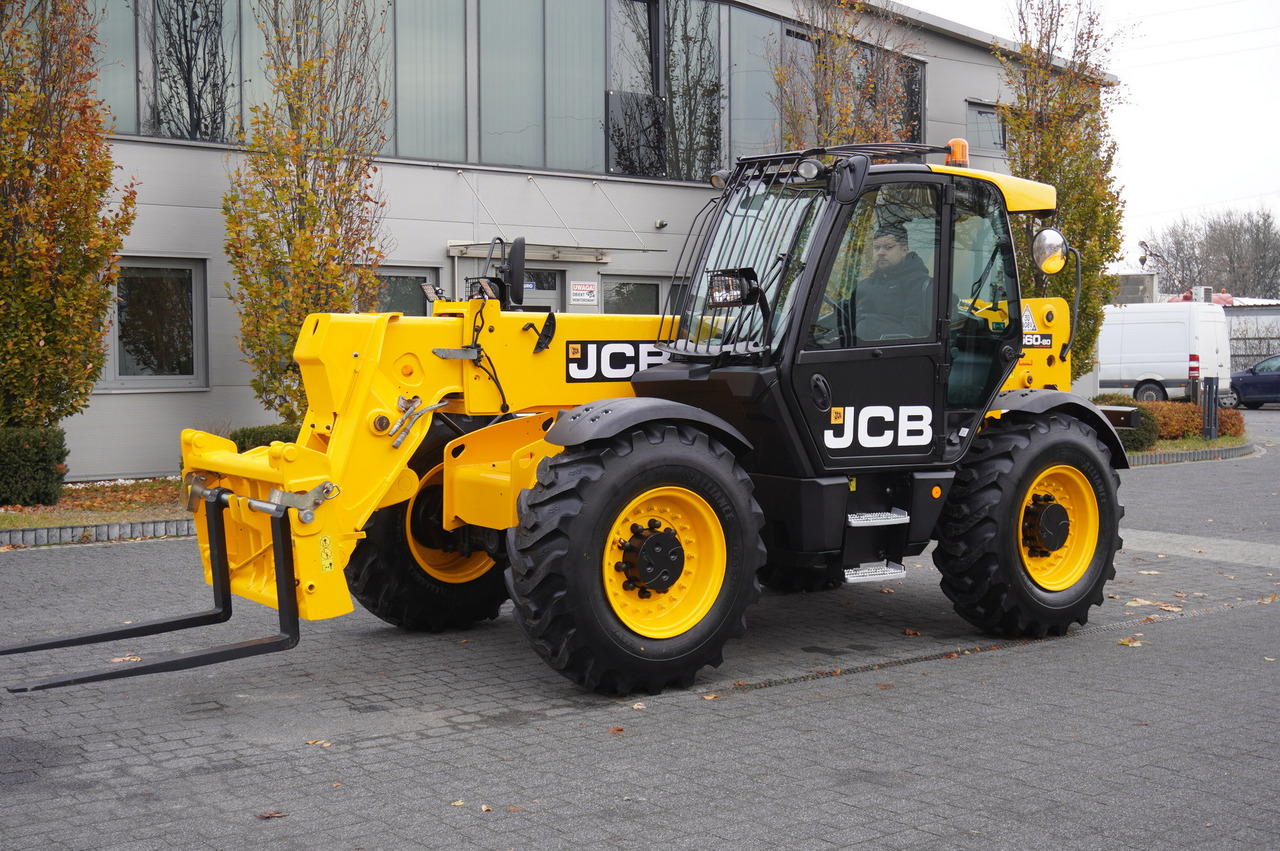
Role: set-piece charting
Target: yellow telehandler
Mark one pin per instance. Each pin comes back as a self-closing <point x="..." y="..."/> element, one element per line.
<point x="846" y="373"/>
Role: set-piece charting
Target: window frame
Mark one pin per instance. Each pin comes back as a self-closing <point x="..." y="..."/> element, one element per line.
<point x="111" y="381"/>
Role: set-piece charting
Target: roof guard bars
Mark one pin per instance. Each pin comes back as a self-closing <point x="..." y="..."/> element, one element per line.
<point x="216" y="501"/>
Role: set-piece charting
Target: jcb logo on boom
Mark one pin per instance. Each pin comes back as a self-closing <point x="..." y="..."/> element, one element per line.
<point x="877" y="426"/>
<point x="616" y="360"/>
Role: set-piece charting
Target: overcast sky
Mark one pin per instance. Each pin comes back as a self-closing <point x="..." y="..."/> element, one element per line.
<point x="1200" y="129"/>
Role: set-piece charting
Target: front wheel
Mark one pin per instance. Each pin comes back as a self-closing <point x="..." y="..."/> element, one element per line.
<point x="1028" y="537"/>
<point x="412" y="572"/>
<point x="635" y="558"/>
<point x="1230" y="398"/>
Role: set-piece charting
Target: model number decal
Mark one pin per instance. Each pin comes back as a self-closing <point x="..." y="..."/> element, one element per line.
<point x="616" y="360"/>
<point x="875" y="426"/>
<point x="1037" y="341"/>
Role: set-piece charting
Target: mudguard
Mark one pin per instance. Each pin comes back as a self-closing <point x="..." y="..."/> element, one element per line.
<point x="609" y="417"/>
<point x="1037" y="401"/>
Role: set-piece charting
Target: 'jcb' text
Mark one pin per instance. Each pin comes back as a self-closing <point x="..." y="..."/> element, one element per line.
<point x="617" y="360"/>
<point x="878" y="426"/>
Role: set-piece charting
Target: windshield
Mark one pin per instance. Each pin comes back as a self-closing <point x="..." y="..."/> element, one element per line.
<point x="764" y="225"/>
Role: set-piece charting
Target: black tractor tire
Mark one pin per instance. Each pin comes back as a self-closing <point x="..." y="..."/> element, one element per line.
<point x="422" y="582"/>
<point x="1014" y="562"/>
<point x="586" y="617"/>
<point x="800" y="580"/>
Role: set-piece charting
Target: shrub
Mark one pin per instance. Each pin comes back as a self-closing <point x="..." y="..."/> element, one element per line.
<point x="250" y="436"/>
<point x="1143" y="437"/>
<point x="1230" y="422"/>
<point x="31" y="465"/>
<point x="1138" y="439"/>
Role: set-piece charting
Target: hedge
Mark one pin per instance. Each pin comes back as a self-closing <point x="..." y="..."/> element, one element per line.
<point x="250" y="436"/>
<point x="1177" y="420"/>
<point x="32" y="465"/>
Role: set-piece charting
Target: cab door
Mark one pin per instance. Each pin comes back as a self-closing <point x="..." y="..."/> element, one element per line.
<point x="867" y="376"/>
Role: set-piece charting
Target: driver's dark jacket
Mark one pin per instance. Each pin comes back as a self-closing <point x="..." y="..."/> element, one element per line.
<point x="894" y="301"/>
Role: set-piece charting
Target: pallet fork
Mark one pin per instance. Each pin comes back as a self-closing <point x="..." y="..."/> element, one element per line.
<point x="216" y="501"/>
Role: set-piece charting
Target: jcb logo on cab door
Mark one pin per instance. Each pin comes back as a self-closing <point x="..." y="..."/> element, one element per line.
<point x="877" y="426"/>
<point x="616" y="360"/>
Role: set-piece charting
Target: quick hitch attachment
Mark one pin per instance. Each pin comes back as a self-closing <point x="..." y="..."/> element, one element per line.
<point x="216" y="501"/>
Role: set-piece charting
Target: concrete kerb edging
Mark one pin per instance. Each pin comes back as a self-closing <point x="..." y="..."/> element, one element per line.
<point x="180" y="528"/>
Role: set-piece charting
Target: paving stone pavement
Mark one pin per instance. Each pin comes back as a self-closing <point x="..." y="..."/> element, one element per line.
<point x="832" y="724"/>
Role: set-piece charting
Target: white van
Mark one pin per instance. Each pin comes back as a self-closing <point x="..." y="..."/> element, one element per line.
<point x="1155" y="350"/>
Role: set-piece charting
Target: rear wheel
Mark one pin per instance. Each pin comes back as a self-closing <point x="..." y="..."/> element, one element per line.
<point x="1253" y="406"/>
<point x="412" y="572"/>
<point x="1028" y="538"/>
<point x="1230" y="398"/>
<point x="1150" y="391"/>
<point x="635" y="558"/>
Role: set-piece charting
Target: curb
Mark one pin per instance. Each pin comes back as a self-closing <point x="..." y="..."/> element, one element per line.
<point x="1146" y="458"/>
<point x="182" y="528"/>
<point x="97" y="534"/>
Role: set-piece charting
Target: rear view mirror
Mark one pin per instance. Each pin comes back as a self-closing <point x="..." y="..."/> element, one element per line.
<point x="515" y="272"/>
<point x="1049" y="249"/>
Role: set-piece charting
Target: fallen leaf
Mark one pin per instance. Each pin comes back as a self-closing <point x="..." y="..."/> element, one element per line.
<point x="485" y="809"/>
<point x="615" y="729"/>
<point x="1160" y="556"/>
<point x="1130" y="642"/>
<point x="741" y="683"/>
<point x="336" y="785"/>
<point x="1149" y="572"/>
<point x="272" y="814"/>
<point x="710" y="696"/>
<point x="515" y="809"/>
<point x="457" y="803"/>
<point x="128" y="657"/>
<point x="1179" y="594"/>
<point x="638" y="706"/>
<point x="1138" y="601"/>
<point x="1270" y="599"/>
<point x="1199" y="594"/>
<point x="1268" y="658"/>
<point x="1165" y="607"/>
<point x="886" y="590"/>
<point x="950" y="655"/>
<point x="884" y="686"/>
<point x="909" y="632"/>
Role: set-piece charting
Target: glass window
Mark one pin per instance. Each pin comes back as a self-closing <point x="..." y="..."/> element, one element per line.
<point x="511" y="75"/>
<point x="194" y="45"/>
<point x="431" y="81"/>
<point x="402" y="290"/>
<point x="753" y="119"/>
<point x="622" y="296"/>
<point x="984" y="296"/>
<point x="575" y="68"/>
<point x="881" y="286"/>
<point x="634" y="135"/>
<point x="157" y="338"/>
<point x="118" y="76"/>
<point x="984" y="127"/>
<point x="694" y="94"/>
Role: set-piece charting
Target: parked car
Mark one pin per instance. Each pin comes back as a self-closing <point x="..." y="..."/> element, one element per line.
<point x="1253" y="386"/>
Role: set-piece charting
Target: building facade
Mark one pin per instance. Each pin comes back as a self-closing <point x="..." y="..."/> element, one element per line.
<point x="586" y="126"/>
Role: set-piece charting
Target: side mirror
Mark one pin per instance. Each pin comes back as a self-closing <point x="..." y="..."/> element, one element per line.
<point x="515" y="272"/>
<point x="1049" y="249"/>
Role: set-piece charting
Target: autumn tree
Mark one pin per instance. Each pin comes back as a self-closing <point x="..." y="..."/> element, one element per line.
<point x="1234" y="250"/>
<point x="845" y="75"/>
<point x="1057" y="120"/>
<point x="62" y="220"/>
<point x="303" y="214"/>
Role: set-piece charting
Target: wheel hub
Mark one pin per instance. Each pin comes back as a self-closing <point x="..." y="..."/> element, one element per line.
<point x="1045" y="525"/>
<point x="652" y="560"/>
<point x="425" y="522"/>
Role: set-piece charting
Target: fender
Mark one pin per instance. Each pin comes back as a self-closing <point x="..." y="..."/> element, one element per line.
<point x="1037" y="401"/>
<point x="609" y="417"/>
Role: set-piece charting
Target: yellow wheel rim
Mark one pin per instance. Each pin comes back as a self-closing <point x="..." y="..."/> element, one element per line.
<point x="449" y="567"/>
<point x="1064" y="566"/>
<point x="678" y="609"/>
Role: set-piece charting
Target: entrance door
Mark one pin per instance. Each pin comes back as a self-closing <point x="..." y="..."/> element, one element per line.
<point x="867" y="378"/>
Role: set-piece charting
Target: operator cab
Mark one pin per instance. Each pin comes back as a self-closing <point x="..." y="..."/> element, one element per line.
<point x="850" y="307"/>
